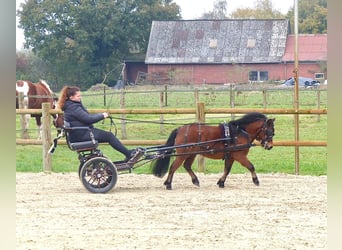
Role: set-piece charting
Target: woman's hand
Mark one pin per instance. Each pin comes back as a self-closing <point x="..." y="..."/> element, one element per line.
<point x="105" y="115"/>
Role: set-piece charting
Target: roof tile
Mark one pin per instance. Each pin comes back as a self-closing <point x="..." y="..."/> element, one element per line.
<point x="311" y="47"/>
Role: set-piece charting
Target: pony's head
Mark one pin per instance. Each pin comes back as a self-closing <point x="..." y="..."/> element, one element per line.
<point x="22" y="87"/>
<point x="265" y="136"/>
<point x="59" y="121"/>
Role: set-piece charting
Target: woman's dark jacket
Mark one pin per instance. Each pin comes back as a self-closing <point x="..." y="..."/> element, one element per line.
<point x="78" y="116"/>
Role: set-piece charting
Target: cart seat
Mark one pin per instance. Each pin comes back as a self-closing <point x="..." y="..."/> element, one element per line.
<point x="82" y="145"/>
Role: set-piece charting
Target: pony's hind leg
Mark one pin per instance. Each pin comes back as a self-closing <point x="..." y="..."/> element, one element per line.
<point x="187" y="165"/>
<point x="174" y="166"/>
<point x="227" y="167"/>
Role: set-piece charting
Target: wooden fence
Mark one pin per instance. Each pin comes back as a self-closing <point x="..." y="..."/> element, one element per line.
<point x="200" y="112"/>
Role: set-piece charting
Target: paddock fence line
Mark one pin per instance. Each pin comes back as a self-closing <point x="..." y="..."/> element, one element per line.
<point x="200" y="111"/>
<point x="231" y="95"/>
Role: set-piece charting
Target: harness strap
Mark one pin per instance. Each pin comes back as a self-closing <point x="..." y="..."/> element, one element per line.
<point x="54" y="144"/>
<point x="199" y="132"/>
<point x="226" y="130"/>
<point x="186" y="134"/>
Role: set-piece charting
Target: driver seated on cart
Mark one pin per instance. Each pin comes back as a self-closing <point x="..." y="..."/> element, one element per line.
<point x="78" y="116"/>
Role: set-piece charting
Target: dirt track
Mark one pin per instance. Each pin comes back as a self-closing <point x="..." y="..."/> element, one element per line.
<point x="54" y="211"/>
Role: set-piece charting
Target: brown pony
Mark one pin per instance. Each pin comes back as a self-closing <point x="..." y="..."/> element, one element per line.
<point x="213" y="142"/>
<point x="34" y="95"/>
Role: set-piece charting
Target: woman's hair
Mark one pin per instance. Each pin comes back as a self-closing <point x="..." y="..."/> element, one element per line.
<point x="66" y="93"/>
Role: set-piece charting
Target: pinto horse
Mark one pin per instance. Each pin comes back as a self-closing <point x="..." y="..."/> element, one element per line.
<point x="215" y="143"/>
<point x="34" y="95"/>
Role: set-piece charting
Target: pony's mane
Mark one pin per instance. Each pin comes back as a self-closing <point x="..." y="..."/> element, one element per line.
<point x="249" y="118"/>
<point x="45" y="85"/>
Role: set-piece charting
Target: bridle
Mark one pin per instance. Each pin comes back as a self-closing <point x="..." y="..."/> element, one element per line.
<point x="267" y="132"/>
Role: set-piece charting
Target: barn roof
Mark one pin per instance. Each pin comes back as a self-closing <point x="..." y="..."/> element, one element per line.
<point x="217" y="41"/>
<point x="311" y="47"/>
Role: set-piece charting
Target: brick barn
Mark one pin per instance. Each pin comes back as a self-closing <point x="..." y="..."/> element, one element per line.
<point x="230" y="51"/>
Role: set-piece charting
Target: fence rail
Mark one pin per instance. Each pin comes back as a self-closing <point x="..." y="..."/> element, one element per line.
<point x="190" y="111"/>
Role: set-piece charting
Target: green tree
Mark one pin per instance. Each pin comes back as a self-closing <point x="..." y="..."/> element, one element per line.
<point x="84" y="40"/>
<point x="30" y="67"/>
<point x="312" y="17"/>
<point x="263" y="9"/>
<point x="219" y="11"/>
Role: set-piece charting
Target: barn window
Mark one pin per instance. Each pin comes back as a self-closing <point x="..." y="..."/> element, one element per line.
<point x="213" y="43"/>
<point x="319" y="76"/>
<point x="258" y="76"/>
<point x="250" y="43"/>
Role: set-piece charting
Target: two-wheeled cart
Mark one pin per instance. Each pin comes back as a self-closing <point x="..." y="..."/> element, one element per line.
<point x="97" y="173"/>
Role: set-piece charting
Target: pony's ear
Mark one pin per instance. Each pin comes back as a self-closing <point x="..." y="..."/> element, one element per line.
<point x="270" y="120"/>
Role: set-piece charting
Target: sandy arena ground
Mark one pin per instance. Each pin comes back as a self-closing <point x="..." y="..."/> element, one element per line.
<point x="54" y="211"/>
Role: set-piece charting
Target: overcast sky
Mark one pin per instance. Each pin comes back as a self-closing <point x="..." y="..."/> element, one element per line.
<point x="194" y="9"/>
<point x="190" y="10"/>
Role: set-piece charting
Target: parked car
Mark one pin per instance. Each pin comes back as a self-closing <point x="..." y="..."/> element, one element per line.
<point x="303" y="82"/>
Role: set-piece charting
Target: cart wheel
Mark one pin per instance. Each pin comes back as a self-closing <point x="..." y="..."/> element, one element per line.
<point x="79" y="169"/>
<point x="98" y="175"/>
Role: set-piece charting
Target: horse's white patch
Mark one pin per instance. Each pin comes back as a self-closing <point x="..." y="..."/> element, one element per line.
<point x="23" y="89"/>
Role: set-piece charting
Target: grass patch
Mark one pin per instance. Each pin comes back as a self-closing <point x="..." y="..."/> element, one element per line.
<point x="313" y="160"/>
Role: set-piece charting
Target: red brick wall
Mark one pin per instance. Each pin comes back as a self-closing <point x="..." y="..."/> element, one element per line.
<point x="220" y="74"/>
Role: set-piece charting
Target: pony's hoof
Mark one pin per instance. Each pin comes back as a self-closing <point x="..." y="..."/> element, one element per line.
<point x="220" y="184"/>
<point x="168" y="185"/>
<point x="196" y="182"/>
<point x="256" y="181"/>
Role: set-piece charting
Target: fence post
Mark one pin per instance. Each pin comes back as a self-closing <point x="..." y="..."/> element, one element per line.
<point x="46" y="136"/>
<point x="165" y="93"/>
<point x="123" y="116"/>
<point x="264" y="94"/>
<point x="104" y="96"/>
<point x="232" y="100"/>
<point x="161" y="116"/>
<point x="318" y="103"/>
<point x="196" y="96"/>
<point x="200" y="115"/>
<point x="24" y="118"/>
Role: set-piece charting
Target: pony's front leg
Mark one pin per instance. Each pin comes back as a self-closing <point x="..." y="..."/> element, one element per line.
<point x="40" y="128"/>
<point x="246" y="163"/>
<point x="168" y="181"/>
<point x="27" y="121"/>
<point x="227" y="167"/>
<point x="40" y="132"/>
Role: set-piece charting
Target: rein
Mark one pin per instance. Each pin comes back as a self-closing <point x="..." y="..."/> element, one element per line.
<point x="198" y="144"/>
<point x="112" y="124"/>
<point x="145" y="121"/>
<point x="212" y="151"/>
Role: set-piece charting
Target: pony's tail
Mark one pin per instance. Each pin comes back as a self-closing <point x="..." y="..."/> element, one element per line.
<point x="161" y="165"/>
